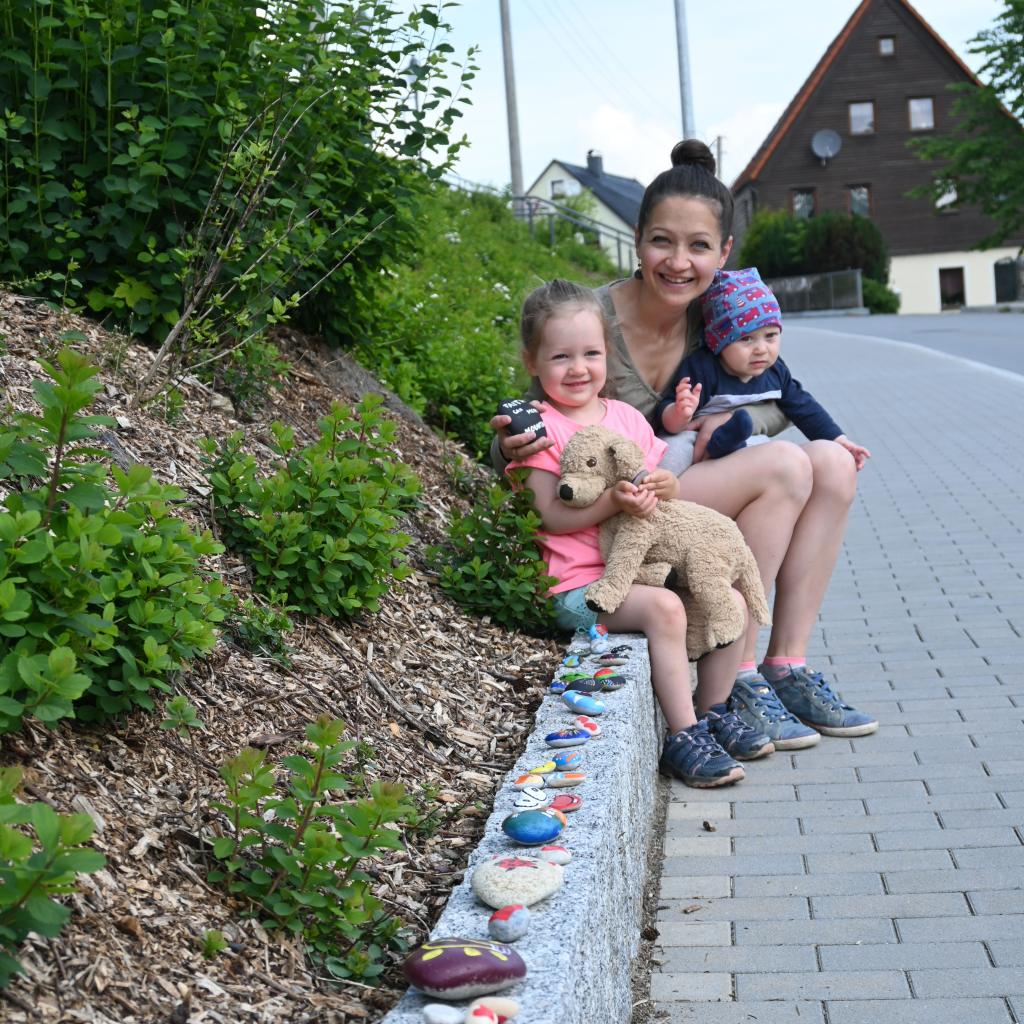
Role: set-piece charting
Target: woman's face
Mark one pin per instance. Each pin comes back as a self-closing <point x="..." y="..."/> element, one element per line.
<point x="680" y="248"/>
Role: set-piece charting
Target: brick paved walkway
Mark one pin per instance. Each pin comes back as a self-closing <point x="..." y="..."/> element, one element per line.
<point x="879" y="880"/>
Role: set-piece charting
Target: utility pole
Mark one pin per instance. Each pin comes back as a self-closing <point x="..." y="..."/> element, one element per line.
<point x="683" y="55"/>
<point x="515" y="159"/>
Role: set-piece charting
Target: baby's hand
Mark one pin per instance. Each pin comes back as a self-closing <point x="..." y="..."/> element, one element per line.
<point x="687" y="400"/>
<point x="633" y="500"/>
<point x="663" y="483"/>
<point x="859" y="452"/>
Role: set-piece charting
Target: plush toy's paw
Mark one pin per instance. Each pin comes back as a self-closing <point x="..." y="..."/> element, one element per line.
<point x="601" y="598"/>
<point x="672" y="580"/>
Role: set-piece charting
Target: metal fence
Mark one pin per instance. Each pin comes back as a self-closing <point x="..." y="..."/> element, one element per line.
<point x="840" y="289"/>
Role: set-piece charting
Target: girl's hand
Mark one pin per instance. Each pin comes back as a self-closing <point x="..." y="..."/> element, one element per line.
<point x="687" y="400"/>
<point x="633" y="500"/>
<point x="663" y="483"/>
<point x="859" y="452"/>
<point x="519" y="446"/>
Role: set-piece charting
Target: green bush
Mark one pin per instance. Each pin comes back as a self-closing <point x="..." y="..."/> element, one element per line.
<point x="490" y="564"/>
<point x="879" y="298"/>
<point x="318" y="526"/>
<point x="843" y="241"/>
<point x="102" y="593"/>
<point x="296" y="856"/>
<point x="261" y="627"/>
<point x="774" y="243"/>
<point x="34" y="868"/>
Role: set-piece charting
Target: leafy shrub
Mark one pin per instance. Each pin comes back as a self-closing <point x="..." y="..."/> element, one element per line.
<point x="102" y="595"/>
<point x="296" y="856"/>
<point x="319" y="526"/>
<point x="841" y="241"/>
<point x="261" y="627"/>
<point x="774" y="243"/>
<point x="490" y="565"/>
<point x="879" y="298"/>
<point x="34" y="868"/>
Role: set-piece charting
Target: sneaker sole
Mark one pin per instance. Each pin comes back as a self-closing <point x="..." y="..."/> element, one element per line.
<point x="736" y="775"/>
<point x="843" y="731"/>
<point x="798" y="742"/>
<point x="768" y="748"/>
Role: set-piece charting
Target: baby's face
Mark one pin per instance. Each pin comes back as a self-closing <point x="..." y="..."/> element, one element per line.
<point x="753" y="353"/>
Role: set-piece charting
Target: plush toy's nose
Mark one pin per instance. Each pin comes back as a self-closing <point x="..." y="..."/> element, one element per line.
<point x="565" y="492"/>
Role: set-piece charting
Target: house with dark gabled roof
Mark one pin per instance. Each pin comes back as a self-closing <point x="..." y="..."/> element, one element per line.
<point x="841" y="144"/>
<point x="616" y="199"/>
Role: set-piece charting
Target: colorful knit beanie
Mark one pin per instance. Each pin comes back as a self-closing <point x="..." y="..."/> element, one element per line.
<point x="737" y="304"/>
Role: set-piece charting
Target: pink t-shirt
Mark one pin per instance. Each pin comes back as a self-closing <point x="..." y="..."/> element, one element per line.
<point x="574" y="559"/>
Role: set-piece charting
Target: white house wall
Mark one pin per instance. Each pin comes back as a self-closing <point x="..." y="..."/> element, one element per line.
<point x="916" y="278"/>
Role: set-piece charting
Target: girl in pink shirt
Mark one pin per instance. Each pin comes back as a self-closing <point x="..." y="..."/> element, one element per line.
<point x="565" y="347"/>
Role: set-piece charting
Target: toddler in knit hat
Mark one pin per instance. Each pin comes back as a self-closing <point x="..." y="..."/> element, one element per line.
<point x="739" y="365"/>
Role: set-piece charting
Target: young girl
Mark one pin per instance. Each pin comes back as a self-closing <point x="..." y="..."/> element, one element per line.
<point x="565" y="347"/>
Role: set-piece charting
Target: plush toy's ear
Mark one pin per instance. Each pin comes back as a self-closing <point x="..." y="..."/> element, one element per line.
<point x="624" y="454"/>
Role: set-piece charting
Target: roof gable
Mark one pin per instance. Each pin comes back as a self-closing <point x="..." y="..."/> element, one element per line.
<point x="621" y="195"/>
<point x="860" y="19"/>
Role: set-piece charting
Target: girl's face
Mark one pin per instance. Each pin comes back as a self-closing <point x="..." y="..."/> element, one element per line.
<point x="680" y="249"/>
<point x="570" y="361"/>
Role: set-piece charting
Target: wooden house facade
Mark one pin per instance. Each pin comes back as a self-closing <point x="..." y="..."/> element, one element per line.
<point x="882" y="82"/>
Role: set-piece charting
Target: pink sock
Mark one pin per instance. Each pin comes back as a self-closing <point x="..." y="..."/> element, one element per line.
<point x="746" y="666"/>
<point x="778" y="667"/>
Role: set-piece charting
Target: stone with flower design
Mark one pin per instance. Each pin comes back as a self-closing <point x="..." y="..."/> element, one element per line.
<point x="458" y="968"/>
<point x="554" y="853"/>
<point x="588" y="725"/>
<point x="503" y="880"/>
<point x="565" y="760"/>
<point x="509" y="923"/>
<point x="533" y="798"/>
<point x="583" y="703"/>
<point x="481" y="1015"/>
<point x="567" y="737"/>
<point x="532" y="828"/>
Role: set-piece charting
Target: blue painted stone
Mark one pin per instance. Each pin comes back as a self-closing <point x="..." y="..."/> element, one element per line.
<point x="582" y="704"/>
<point x="571" y="660"/>
<point x="557" y="686"/>
<point x="532" y="828"/>
<point x="567" y="737"/>
<point x="565" y="760"/>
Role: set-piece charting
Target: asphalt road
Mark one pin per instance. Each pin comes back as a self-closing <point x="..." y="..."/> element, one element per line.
<point x="996" y="339"/>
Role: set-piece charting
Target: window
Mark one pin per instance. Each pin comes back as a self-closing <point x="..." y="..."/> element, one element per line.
<point x="862" y="118"/>
<point x="946" y="203"/>
<point x="860" y="200"/>
<point x="558" y="188"/>
<point x="886" y="46"/>
<point x="921" y="112"/>
<point x="803" y="202"/>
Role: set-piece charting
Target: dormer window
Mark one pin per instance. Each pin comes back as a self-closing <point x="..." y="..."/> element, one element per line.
<point x="886" y="46"/>
<point x="862" y="118"/>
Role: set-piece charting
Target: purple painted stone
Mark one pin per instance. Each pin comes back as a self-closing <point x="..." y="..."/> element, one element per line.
<point x="565" y="760"/>
<point x="532" y="828"/>
<point x="509" y="923"/>
<point x="583" y="704"/>
<point x="455" y="968"/>
<point x="567" y="737"/>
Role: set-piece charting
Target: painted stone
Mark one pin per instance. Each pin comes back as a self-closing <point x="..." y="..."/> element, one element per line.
<point x="553" y="853"/>
<point x="598" y="636"/>
<point x="543" y="769"/>
<point x="509" y="923"/>
<point x="602" y="673"/>
<point x="442" y="1013"/>
<point x="567" y="737"/>
<point x="481" y="1015"/>
<point x="505" y="1008"/>
<point x="611" y="683"/>
<point x="588" y="725"/>
<point x="571" y="660"/>
<point x="560" y="780"/>
<point x="557" y="686"/>
<point x="564" y="760"/>
<point x="612" y="659"/>
<point x="572" y="677"/>
<point x="532" y="828"/>
<point x="506" y="879"/>
<point x="585" y="686"/>
<point x="582" y="703"/>
<point x="533" y="798"/>
<point x="457" y="968"/>
<point x="566" y="803"/>
<point x="527" y="782"/>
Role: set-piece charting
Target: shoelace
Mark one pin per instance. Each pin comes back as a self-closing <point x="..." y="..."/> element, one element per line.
<point x="733" y="726"/>
<point x="767" y="699"/>
<point x="700" y="747"/>
<point x="826" y="691"/>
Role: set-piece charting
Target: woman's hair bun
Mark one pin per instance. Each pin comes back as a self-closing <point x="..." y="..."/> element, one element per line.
<point x="693" y="151"/>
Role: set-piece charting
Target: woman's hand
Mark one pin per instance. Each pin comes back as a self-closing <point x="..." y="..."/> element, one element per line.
<point x="519" y="446"/>
<point x="633" y="500"/>
<point x="663" y="483"/>
<point x="859" y="452"/>
<point x="705" y="427"/>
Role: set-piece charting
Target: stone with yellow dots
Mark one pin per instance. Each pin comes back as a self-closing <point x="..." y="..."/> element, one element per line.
<point x="457" y="968"/>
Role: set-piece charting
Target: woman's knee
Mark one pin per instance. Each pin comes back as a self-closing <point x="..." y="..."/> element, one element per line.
<point x="834" y="471"/>
<point x="790" y="470"/>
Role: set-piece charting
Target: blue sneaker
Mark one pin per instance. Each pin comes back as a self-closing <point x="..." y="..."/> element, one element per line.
<point x="734" y="736"/>
<point x="806" y="694"/>
<point x="693" y="756"/>
<point x="757" y="704"/>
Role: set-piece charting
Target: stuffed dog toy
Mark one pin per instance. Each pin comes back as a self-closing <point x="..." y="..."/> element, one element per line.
<point x="682" y="545"/>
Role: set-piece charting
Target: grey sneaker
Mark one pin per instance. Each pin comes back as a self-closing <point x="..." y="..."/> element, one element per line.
<point x="757" y="704"/>
<point x="806" y="694"/>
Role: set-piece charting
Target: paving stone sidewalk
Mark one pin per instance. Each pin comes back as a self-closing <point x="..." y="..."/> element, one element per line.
<point x="879" y="880"/>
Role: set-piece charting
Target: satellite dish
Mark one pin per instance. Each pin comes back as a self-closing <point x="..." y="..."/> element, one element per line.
<point x="826" y="144"/>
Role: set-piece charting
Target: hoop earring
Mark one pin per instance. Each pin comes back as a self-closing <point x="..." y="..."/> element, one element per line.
<point x="638" y="273"/>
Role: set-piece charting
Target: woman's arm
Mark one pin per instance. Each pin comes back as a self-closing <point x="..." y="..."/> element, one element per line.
<point x="557" y="517"/>
<point x="768" y="418"/>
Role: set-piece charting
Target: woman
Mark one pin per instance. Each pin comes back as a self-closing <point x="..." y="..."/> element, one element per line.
<point x="790" y="501"/>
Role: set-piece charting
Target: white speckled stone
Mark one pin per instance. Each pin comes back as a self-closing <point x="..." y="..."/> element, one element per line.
<point x="503" y="880"/>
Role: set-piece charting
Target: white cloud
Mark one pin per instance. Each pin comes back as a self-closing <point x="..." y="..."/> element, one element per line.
<point x="633" y="146"/>
<point x="741" y="134"/>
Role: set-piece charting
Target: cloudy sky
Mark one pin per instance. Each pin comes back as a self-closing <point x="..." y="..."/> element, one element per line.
<point x="601" y="74"/>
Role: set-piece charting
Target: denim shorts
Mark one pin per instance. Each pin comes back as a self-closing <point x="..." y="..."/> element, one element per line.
<point x="571" y="611"/>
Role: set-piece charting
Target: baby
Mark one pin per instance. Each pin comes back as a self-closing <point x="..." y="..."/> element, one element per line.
<point x="740" y="366"/>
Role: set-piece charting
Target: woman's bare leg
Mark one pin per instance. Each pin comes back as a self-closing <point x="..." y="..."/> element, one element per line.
<point x="659" y="613"/>
<point x="817" y="537"/>
<point x="764" y="488"/>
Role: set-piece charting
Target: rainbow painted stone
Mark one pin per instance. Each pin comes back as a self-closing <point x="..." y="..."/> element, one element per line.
<point x="566" y="803"/>
<point x="532" y="828"/>
<point x="509" y="923"/>
<point x="514" y="878"/>
<point x="582" y="703"/>
<point x="564" y="760"/>
<point x="457" y="968"/>
<point x="567" y="737"/>
<point x="561" y="780"/>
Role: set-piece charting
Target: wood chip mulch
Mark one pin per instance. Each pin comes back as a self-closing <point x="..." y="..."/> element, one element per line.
<point x="445" y="701"/>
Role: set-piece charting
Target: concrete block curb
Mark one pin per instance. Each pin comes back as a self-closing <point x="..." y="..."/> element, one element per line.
<point x="581" y="940"/>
